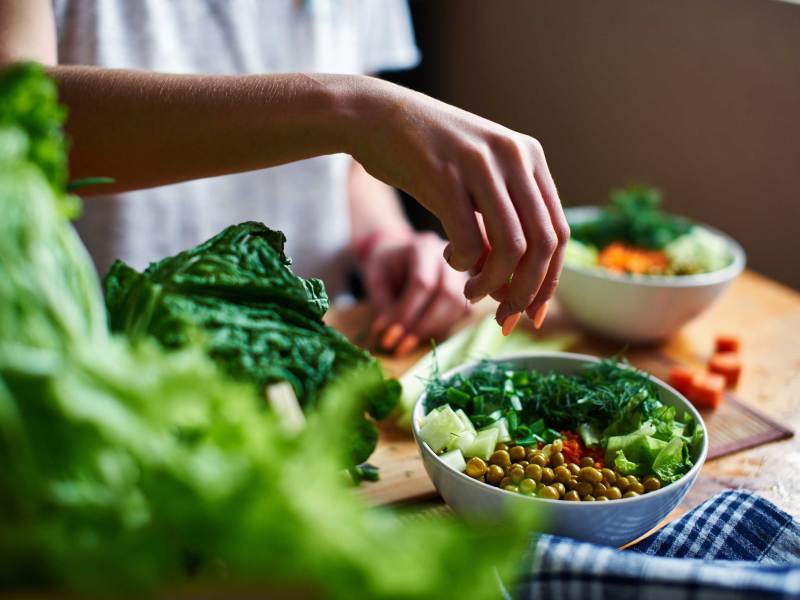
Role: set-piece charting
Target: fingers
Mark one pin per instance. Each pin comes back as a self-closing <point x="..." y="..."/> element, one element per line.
<point x="561" y="228"/>
<point x="541" y="245"/>
<point x="461" y="226"/>
<point x="423" y="274"/>
<point x="446" y="307"/>
<point x="505" y="233"/>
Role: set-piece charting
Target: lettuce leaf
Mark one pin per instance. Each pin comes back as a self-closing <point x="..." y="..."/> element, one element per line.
<point x="625" y="466"/>
<point x="673" y="461"/>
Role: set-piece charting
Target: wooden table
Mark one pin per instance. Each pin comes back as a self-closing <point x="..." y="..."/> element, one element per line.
<point x="764" y="314"/>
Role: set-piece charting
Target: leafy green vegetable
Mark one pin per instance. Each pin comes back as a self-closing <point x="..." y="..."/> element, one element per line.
<point x="237" y="297"/>
<point x="672" y="461"/>
<point x="126" y="467"/>
<point x="625" y="466"/>
<point x="633" y="217"/>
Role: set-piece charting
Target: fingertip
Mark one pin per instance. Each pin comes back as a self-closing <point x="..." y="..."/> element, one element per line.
<point x="392" y="336"/>
<point x="407" y="345"/>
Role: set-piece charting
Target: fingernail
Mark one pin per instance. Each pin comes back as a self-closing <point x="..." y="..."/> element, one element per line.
<point x="476" y="299"/>
<point x="392" y="335"/>
<point x="540" y="314"/>
<point x="406" y="345"/>
<point x="510" y="322"/>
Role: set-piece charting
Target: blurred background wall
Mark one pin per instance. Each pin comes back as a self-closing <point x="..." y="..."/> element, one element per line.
<point x="698" y="97"/>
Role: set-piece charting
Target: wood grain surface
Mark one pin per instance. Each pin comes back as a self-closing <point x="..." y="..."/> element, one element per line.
<point x="764" y="314"/>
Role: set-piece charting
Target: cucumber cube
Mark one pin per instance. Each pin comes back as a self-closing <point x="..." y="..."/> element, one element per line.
<point x="454" y="460"/>
<point x="461" y="441"/>
<point x="502" y="430"/>
<point x="438" y="428"/>
<point x="465" y="419"/>
<point x="483" y="444"/>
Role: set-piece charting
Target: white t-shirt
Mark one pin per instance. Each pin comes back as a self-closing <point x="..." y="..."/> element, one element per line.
<point x="306" y="200"/>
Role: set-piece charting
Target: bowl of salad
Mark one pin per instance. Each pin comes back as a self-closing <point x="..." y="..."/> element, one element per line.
<point x="637" y="274"/>
<point x="602" y="451"/>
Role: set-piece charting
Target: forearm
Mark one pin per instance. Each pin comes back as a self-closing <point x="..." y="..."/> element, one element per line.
<point x="145" y="129"/>
<point x="374" y="207"/>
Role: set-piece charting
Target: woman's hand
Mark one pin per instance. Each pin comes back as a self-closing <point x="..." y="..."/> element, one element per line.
<point x="462" y="167"/>
<point x="414" y="294"/>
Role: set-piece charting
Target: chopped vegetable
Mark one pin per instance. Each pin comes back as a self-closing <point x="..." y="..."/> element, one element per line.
<point x="483" y="445"/>
<point x="621" y="423"/>
<point x="484" y="339"/>
<point x="681" y="378"/>
<point x="455" y="460"/>
<point x="727" y="343"/>
<point x="619" y="258"/>
<point x="727" y="364"/>
<point x="632" y="236"/>
<point x="708" y="390"/>
<point x="439" y="427"/>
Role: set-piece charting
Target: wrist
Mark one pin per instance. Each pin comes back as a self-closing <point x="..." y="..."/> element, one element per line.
<point x="362" y="109"/>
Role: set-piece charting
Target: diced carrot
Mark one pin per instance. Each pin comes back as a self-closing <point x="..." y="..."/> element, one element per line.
<point x="708" y="390"/>
<point x="727" y="364"/>
<point x="681" y="378"/>
<point x="726" y="343"/>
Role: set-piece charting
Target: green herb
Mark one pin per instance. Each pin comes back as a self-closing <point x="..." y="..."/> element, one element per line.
<point x="632" y="217"/>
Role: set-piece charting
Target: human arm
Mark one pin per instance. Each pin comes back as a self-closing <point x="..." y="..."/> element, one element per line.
<point x="146" y="129"/>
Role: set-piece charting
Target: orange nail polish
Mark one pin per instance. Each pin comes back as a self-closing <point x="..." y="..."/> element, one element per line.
<point x="510" y="322"/>
<point x="379" y="324"/>
<point x="406" y="345"/>
<point x="541" y="313"/>
<point x="392" y="336"/>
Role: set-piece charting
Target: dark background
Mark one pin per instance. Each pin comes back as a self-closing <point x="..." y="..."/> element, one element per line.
<point x="698" y="97"/>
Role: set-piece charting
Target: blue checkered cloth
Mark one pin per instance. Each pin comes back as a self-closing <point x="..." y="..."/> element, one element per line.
<point x="734" y="546"/>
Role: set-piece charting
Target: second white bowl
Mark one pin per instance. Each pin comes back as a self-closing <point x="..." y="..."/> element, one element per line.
<point x="636" y="308"/>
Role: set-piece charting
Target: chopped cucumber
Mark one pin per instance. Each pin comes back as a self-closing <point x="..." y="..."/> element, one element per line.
<point x="430" y="414"/>
<point x="461" y="441"/>
<point x="502" y="429"/>
<point x="465" y="419"/>
<point x="483" y="444"/>
<point x="454" y="460"/>
<point x="438" y="428"/>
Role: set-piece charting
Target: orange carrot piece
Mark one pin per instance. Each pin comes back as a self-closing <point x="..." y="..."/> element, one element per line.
<point x="708" y="390"/>
<point x="681" y="378"/>
<point x="726" y="343"/>
<point x="727" y="364"/>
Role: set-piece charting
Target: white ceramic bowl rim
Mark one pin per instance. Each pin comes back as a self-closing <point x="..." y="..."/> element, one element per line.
<point x="585" y="213"/>
<point x="584" y="358"/>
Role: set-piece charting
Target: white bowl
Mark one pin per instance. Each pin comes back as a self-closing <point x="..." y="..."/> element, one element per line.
<point x="612" y="523"/>
<point x="640" y="309"/>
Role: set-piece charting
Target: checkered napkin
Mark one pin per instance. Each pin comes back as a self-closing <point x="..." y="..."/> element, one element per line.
<point x="734" y="546"/>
